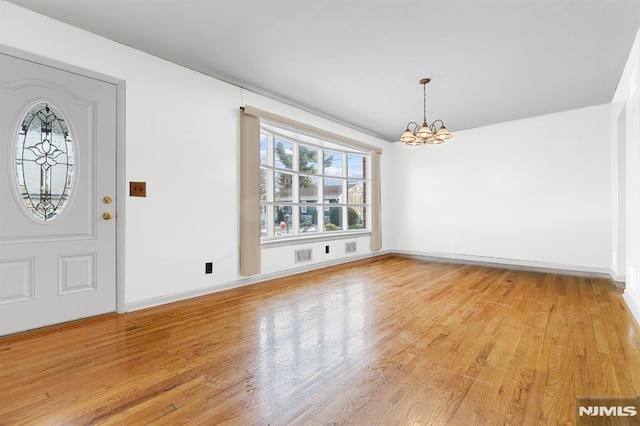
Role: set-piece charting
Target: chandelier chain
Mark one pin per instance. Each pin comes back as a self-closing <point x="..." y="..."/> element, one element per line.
<point x="424" y="97"/>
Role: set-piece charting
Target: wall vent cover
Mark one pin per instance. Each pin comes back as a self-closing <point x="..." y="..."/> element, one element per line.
<point x="350" y="247"/>
<point x="303" y="255"/>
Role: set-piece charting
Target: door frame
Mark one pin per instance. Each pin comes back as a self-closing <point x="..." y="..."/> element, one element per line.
<point x="120" y="153"/>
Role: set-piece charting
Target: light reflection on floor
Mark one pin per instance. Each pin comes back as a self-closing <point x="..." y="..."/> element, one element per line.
<point x="303" y="338"/>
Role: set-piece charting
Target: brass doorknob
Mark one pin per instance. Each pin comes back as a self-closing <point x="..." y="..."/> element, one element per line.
<point x="107" y="199"/>
<point x="107" y="216"/>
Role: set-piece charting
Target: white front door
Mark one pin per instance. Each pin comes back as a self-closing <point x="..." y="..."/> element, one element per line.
<point x="57" y="196"/>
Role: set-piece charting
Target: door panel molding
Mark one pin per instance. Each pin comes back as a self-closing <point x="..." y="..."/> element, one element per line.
<point x="19" y="271"/>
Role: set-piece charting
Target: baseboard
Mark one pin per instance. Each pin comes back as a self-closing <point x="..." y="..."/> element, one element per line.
<point x="619" y="280"/>
<point x="176" y="297"/>
<point x="633" y="307"/>
<point x="437" y="257"/>
<point x="511" y="263"/>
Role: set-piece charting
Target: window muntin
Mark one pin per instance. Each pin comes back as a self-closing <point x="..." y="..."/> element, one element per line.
<point x="310" y="186"/>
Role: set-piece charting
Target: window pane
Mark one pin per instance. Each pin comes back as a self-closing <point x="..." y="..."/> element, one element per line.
<point x="283" y="187"/>
<point x="357" y="192"/>
<point x="356" y="166"/>
<point x="263" y="221"/>
<point x="263" y="184"/>
<point x="356" y="217"/>
<point x="308" y="219"/>
<point x="332" y="163"/>
<point x="283" y="152"/>
<point x="282" y="220"/>
<point x="308" y="189"/>
<point x="263" y="148"/>
<point x="333" y="218"/>
<point x="308" y="162"/>
<point x="333" y="191"/>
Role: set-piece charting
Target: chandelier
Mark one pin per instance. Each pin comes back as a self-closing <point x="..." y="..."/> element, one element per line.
<point x="420" y="135"/>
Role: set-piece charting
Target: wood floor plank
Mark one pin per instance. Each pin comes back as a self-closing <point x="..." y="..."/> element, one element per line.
<point x="393" y="340"/>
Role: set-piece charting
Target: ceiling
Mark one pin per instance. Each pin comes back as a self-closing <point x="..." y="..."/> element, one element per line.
<point x="359" y="62"/>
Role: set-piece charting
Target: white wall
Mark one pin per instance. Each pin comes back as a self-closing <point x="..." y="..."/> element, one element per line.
<point x="537" y="191"/>
<point x="534" y="191"/>
<point x="627" y="100"/>
<point x="182" y="135"/>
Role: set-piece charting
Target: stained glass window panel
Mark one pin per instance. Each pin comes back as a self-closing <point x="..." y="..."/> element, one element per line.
<point x="44" y="162"/>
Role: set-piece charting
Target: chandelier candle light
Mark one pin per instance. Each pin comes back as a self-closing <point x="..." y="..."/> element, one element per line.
<point x="416" y="135"/>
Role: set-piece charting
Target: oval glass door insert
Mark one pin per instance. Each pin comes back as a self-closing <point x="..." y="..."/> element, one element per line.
<point x="44" y="162"/>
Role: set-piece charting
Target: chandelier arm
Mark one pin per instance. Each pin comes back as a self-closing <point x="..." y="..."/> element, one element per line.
<point x="416" y="126"/>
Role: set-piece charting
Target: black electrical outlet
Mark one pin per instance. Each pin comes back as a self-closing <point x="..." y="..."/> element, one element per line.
<point x="326" y="249"/>
<point x="208" y="268"/>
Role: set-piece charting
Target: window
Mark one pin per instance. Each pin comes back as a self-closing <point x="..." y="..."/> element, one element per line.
<point x="44" y="162"/>
<point x="310" y="186"/>
<point x="304" y="167"/>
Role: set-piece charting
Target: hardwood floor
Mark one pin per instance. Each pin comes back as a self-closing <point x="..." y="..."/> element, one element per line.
<point x="391" y="340"/>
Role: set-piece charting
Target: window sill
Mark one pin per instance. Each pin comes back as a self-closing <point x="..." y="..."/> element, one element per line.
<point x="302" y="239"/>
